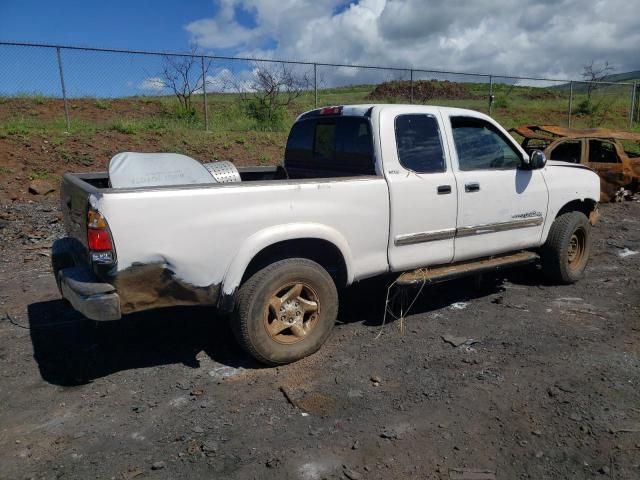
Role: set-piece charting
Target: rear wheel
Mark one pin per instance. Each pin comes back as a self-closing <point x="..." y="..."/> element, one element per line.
<point x="285" y="311"/>
<point x="566" y="252"/>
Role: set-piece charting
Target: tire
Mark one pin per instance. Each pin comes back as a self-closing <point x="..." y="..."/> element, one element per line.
<point x="566" y="252"/>
<point x="275" y="319"/>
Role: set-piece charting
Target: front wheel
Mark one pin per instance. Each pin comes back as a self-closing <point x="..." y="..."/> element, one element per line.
<point x="566" y="252"/>
<point x="285" y="311"/>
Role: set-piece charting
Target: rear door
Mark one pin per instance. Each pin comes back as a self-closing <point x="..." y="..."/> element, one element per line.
<point x="501" y="206"/>
<point x="604" y="158"/>
<point x="422" y="187"/>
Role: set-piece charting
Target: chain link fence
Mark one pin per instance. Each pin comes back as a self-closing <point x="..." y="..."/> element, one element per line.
<point x="79" y="86"/>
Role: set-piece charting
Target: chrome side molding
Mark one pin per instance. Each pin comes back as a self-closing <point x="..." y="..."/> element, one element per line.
<point x="420" y="237"/>
<point x="499" y="227"/>
<point x="432" y="236"/>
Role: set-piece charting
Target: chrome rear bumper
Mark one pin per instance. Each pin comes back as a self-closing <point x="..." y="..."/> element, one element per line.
<point x="94" y="299"/>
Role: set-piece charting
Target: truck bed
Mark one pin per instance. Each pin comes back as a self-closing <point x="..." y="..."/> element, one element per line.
<point x="176" y="244"/>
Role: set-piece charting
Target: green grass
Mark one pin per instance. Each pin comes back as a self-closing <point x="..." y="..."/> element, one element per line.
<point x="70" y="157"/>
<point x="133" y="127"/>
<point x="513" y="105"/>
<point x="103" y="104"/>
<point x="18" y="126"/>
<point x="36" y="97"/>
<point x="39" y="174"/>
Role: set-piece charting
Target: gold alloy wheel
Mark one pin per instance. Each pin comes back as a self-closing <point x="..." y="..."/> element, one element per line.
<point x="291" y="313"/>
<point x="576" y="249"/>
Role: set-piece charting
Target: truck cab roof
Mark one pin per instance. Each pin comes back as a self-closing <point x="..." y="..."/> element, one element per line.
<point x="366" y="109"/>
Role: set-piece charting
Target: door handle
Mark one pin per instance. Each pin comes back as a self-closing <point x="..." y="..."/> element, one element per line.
<point x="444" y="189"/>
<point x="472" y="187"/>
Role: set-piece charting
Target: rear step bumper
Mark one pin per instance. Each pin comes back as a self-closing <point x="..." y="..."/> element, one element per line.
<point x="470" y="267"/>
<point x="94" y="299"/>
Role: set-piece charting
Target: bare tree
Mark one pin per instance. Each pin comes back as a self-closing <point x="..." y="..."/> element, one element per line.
<point x="184" y="76"/>
<point x="593" y="74"/>
<point x="272" y="88"/>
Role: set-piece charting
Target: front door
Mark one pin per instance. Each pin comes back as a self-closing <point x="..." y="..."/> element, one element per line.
<point x="501" y="206"/>
<point x="422" y="187"/>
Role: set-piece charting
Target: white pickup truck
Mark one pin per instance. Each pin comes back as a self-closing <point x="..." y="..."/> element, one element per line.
<point x="427" y="192"/>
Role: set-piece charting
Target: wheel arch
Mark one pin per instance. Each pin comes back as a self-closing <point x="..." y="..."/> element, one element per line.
<point x="587" y="206"/>
<point x="319" y="243"/>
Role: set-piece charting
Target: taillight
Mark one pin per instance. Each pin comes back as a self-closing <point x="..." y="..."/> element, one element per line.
<point x="98" y="237"/>
<point x="99" y="240"/>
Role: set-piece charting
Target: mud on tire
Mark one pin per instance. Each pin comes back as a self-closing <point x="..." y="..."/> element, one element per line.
<point x="285" y="311"/>
<point x="566" y="252"/>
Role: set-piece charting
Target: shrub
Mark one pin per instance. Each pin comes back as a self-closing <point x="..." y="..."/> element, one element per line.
<point x="586" y="107"/>
<point x="266" y="117"/>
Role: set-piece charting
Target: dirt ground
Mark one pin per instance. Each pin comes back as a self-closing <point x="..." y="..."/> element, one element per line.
<point x="546" y="384"/>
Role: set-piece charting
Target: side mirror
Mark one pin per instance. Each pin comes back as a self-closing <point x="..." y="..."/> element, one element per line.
<point x="537" y="160"/>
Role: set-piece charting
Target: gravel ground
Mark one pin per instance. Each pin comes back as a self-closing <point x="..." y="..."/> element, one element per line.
<point x="545" y="384"/>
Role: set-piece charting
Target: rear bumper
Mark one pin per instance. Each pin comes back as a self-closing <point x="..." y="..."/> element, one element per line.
<point x="88" y="295"/>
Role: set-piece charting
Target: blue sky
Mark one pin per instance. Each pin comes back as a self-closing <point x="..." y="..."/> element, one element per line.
<point x="141" y="25"/>
<point x="138" y="24"/>
<point x="528" y="38"/>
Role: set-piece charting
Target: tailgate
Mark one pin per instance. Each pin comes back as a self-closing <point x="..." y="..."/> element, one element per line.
<point x="74" y="198"/>
<point x="72" y="250"/>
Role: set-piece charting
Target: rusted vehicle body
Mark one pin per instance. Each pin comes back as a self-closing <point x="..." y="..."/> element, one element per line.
<point x="601" y="149"/>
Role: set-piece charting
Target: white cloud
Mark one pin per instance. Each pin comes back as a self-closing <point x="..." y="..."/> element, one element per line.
<point x="532" y="37"/>
<point x="225" y="81"/>
<point x="223" y="31"/>
<point x="152" y="85"/>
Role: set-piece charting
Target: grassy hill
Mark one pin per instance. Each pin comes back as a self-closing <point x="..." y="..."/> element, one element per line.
<point x="627" y="77"/>
<point x="624" y="77"/>
<point x="35" y="143"/>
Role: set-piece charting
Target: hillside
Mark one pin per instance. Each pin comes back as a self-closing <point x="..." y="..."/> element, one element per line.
<point x="624" y="77"/>
<point x="35" y="143"/>
<point x="627" y="77"/>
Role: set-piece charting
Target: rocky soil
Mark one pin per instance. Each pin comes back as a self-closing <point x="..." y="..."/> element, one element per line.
<point x="503" y="378"/>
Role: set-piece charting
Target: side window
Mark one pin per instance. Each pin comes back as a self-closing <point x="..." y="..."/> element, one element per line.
<point x="481" y="146"/>
<point x="567" y="151"/>
<point x="531" y="144"/>
<point x="419" y="144"/>
<point x="602" y="152"/>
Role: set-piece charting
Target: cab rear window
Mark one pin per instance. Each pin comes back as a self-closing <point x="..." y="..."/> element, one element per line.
<point x="330" y="147"/>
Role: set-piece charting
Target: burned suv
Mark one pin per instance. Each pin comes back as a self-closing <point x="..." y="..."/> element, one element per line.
<point x="613" y="154"/>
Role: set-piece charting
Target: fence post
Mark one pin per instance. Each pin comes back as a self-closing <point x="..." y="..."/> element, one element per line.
<point x="633" y="105"/>
<point x="315" y="84"/>
<point x="490" y="94"/>
<point x="570" y="103"/>
<point x="64" y="90"/>
<point x="411" y="80"/>
<point x="204" y="95"/>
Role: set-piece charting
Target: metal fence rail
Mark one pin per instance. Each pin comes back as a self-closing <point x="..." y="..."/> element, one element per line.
<point x="29" y="70"/>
